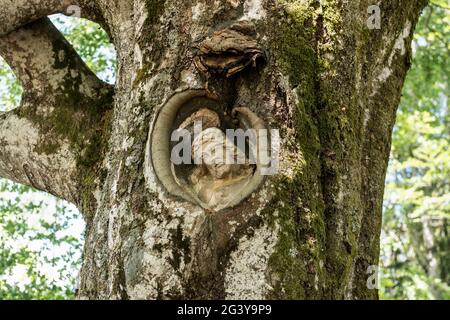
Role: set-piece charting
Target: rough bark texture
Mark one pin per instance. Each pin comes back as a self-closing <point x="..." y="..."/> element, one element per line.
<point x="329" y="84"/>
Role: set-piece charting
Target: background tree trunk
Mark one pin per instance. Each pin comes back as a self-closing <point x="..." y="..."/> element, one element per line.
<point x="329" y="84"/>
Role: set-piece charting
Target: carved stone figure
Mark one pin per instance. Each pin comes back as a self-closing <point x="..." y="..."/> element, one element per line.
<point x="217" y="176"/>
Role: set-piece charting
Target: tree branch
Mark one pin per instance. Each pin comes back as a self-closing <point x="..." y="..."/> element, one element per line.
<point x="16" y="13"/>
<point x="53" y="141"/>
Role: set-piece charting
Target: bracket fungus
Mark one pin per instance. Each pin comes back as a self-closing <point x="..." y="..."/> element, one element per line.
<point x="229" y="51"/>
<point x="220" y="171"/>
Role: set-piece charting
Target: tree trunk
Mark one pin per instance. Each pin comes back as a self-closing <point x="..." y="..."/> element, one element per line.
<point x="314" y="70"/>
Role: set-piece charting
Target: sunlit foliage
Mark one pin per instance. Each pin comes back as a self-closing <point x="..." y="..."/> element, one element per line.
<point x="415" y="244"/>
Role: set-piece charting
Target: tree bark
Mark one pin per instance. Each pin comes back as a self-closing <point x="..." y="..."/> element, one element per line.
<point x="328" y="83"/>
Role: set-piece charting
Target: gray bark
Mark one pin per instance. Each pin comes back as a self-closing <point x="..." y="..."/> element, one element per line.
<point x="49" y="140"/>
<point x="329" y="84"/>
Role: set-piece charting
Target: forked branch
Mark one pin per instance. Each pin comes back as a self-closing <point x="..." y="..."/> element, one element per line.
<point x="53" y="140"/>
